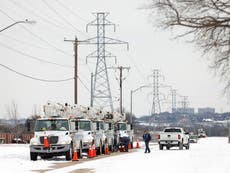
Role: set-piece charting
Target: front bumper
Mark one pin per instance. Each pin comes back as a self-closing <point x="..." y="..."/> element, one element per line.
<point x="54" y="148"/>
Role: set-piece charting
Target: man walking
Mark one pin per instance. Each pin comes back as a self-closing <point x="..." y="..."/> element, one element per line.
<point x="146" y="138"/>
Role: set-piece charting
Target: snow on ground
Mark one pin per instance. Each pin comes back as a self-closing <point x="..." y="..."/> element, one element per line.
<point x="209" y="155"/>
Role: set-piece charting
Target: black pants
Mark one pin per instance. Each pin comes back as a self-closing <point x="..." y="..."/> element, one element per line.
<point x="147" y="147"/>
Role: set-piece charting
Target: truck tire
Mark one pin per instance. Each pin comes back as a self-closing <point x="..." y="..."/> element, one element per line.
<point x="111" y="147"/>
<point x="181" y="145"/>
<point x="69" y="153"/>
<point x="132" y="143"/>
<point x="161" y="147"/>
<point x="187" y="146"/>
<point x="33" y="156"/>
<point x="80" y="151"/>
<point x="99" y="149"/>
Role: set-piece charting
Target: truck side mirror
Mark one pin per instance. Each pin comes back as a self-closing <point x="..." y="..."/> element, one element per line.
<point x="76" y="125"/>
<point x="97" y="128"/>
<point x="28" y="126"/>
<point x="110" y="126"/>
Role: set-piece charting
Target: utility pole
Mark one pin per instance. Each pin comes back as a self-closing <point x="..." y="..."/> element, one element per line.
<point x="76" y="42"/>
<point x="91" y="91"/>
<point x="121" y="68"/>
<point x="101" y="94"/>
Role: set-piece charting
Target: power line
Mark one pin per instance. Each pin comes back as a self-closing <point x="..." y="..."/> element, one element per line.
<point x="83" y="83"/>
<point x="58" y="14"/>
<point x="23" y="42"/>
<point x="34" y="78"/>
<point x="71" y="11"/>
<point x="39" y="16"/>
<point x="38" y="37"/>
<point x="135" y="65"/>
<point x="34" y="57"/>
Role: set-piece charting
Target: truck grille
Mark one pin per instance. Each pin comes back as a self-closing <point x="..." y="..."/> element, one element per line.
<point x="51" y="139"/>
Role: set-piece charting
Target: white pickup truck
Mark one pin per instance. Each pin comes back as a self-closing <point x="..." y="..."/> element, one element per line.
<point x="173" y="137"/>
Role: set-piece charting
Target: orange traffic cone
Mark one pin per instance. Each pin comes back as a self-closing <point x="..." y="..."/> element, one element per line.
<point x="75" y="157"/>
<point x="106" y="149"/>
<point x="129" y="146"/>
<point x="90" y="152"/>
<point x="94" y="151"/>
<point x="46" y="142"/>
<point x="137" y="145"/>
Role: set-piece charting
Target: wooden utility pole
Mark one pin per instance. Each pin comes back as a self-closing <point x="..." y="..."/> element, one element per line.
<point x="121" y="68"/>
<point x="76" y="42"/>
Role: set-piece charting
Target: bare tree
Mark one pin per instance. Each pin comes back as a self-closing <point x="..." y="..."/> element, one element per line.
<point x="203" y="22"/>
<point x="12" y="111"/>
<point x="13" y="115"/>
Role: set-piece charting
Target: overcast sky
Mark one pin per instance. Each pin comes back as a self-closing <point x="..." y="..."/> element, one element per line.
<point x="25" y="48"/>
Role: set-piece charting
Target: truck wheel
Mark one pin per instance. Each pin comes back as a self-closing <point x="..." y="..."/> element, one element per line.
<point x="80" y="151"/>
<point x="187" y="146"/>
<point x="99" y="150"/>
<point x="181" y="145"/>
<point x="111" y="147"/>
<point x="132" y="143"/>
<point x="33" y="156"/>
<point x="69" y="153"/>
<point x="161" y="147"/>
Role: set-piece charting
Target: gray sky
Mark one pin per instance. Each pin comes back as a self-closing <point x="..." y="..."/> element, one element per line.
<point x="180" y="63"/>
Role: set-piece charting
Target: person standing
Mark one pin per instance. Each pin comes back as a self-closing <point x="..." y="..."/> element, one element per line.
<point x="146" y="138"/>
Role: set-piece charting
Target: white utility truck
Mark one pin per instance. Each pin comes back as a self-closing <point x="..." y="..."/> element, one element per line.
<point x="124" y="134"/>
<point x="52" y="134"/>
<point x="66" y="128"/>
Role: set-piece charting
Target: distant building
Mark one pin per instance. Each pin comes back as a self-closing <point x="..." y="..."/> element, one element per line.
<point x="206" y="110"/>
<point x="185" y="110"/>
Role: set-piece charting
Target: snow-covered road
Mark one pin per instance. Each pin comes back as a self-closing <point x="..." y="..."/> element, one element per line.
<point x="209" y="155"/>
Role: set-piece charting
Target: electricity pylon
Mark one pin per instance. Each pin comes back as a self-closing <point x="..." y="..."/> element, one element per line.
<point x="101" y="94"/>
<point x="156" y="107"/>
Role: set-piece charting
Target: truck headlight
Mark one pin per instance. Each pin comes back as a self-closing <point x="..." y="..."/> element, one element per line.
<point x="65" y="142"/>
<point x="33" y="143"/>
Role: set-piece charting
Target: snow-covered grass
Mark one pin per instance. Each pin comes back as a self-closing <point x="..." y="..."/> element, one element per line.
<point x="209" y="155"/>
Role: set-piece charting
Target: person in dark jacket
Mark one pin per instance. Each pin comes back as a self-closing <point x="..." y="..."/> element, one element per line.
<point x="146" y="138"/>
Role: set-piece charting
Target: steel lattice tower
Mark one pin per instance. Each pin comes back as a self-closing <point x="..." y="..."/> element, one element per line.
<point x="101" y="94"/>
<point x="173" y="94"/>
<point x="184" y="104"/>
<point x="156" y="107"/>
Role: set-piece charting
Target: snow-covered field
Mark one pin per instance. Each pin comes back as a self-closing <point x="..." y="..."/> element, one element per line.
<point x="209" y="155"/>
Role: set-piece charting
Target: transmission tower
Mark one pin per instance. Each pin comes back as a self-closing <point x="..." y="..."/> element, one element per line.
<point x="101" y="94"/>
<point x="184" y="104"/>
<point x="173" y="94"/>
<point x="156" y="107"/>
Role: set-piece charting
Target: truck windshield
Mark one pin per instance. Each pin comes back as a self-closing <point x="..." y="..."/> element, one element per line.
<point x="172" y="130"/>
<point x="121" y="126"/>
<point x="52" y="125"/>
<point x="101" y="125"/>
<point x="84" y="125"/>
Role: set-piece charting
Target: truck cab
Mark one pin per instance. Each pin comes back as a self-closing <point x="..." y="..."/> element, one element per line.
<point x="99" y="136"/>
<point x="83" y="134"/>
<point x="109" y="133"/>
<point x="57" y="131"/>
<point x="123" y="134"/>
